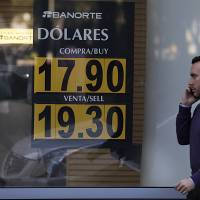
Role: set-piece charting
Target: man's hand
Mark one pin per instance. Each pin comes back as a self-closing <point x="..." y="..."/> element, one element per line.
<point x="185" y="185"/>
<point x="188" y="98"/>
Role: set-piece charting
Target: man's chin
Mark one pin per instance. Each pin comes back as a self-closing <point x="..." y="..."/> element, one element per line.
<point x="197" y="96"/>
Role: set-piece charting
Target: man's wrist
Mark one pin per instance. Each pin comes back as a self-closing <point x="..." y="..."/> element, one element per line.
<point x="192" y="182"/>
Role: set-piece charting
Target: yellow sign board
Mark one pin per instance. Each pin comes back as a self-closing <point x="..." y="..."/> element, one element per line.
<point x="102" y="75"/>
<point x="76" y="88"/>
<point x="16" y="36"/>
<point x="75" y="121"/>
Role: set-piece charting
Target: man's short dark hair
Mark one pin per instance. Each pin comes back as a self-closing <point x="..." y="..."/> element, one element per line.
<point x="196" y="59"/>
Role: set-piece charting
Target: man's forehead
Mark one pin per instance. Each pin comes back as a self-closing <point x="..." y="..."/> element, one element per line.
<point x="195" y="67"/>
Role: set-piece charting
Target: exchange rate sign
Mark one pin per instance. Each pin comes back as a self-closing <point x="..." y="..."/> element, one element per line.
<point x="83" y="71"/>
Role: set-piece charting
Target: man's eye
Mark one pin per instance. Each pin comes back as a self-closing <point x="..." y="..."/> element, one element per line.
<point x="193" y="76"/>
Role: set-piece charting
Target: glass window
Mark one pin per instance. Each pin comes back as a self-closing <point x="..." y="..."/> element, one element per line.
<point x="43" y="60"/>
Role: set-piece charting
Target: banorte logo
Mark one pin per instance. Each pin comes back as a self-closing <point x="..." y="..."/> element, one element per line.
<point x="47" y="14"/>
<point x="71" y="15"/>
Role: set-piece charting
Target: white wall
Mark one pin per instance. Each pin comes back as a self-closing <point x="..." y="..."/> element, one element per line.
<point x="173" y="38"/>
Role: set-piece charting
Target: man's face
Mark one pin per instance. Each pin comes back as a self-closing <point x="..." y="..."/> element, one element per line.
<point x="194" y="82"/>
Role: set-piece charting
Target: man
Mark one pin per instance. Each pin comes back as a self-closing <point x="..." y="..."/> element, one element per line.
<point x="188" y="131"/>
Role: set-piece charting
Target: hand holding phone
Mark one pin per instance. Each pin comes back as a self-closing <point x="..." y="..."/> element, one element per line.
<point x="189" y="98"/>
